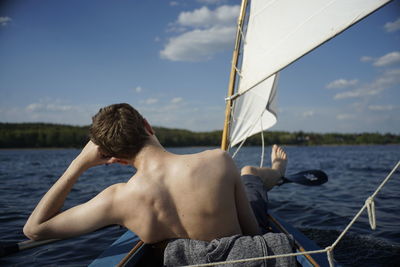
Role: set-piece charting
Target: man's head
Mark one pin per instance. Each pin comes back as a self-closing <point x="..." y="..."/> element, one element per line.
<point x="119" y="130"/>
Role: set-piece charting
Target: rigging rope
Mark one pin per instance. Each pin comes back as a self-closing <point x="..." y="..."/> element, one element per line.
<point x="262" y="142"/>
<point x="248" y="134"/>
<point x="238" y="72"/>
<point x="258" y="258"/>
<point x="369" y="204"/>
<point x="371" y="212"/>
<point x="241" y="33"/>
<point x="329" y="254"/>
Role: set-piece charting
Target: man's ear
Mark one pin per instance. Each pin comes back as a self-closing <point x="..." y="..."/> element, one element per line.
<point x="148" y="127"/>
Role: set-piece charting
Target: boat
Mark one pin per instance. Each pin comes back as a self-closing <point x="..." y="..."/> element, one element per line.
<point x="129" y="250"/>
<point x="270" y="36"/>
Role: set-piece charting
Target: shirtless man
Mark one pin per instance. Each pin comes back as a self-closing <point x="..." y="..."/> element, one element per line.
<point x="198" y="196"/>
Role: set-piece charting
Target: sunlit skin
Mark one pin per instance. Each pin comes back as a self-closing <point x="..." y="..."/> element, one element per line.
<point x="198" y="196"/>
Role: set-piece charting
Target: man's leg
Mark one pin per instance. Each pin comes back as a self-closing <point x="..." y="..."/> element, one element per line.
<point x="270" y="176"/>
<point x="258" y="181"/>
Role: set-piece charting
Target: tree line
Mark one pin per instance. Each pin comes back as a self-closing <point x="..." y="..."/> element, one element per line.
<point x="44" y="135"/>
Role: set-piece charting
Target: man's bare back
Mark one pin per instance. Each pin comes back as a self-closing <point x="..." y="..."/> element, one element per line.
<point x="182" y="196"/>
<point x="198" y="196"/>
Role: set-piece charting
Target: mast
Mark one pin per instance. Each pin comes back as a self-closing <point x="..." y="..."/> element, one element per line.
<point x="232" y="77"/>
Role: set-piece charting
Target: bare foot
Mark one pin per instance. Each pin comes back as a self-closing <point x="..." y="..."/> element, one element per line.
<point x="270" y="176"/>
<point x="278" y="160"/>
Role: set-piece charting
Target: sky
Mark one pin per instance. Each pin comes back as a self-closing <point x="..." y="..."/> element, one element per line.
<point x="60" y="61"/>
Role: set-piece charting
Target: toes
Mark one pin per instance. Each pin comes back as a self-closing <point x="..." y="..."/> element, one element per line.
<point x="274" y="149"/>
<point x="279" y="152"/>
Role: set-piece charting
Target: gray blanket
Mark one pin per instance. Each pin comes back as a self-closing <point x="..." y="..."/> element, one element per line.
<point x="181" y="252"/>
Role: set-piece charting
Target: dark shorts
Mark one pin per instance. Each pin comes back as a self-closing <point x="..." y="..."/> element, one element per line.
<point x="258" y="198"/>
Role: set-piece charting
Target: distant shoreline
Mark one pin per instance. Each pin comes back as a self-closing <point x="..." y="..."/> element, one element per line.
<point x="57" y="136"/>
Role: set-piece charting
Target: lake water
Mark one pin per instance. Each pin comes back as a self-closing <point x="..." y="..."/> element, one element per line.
<point x="320" y="212"/>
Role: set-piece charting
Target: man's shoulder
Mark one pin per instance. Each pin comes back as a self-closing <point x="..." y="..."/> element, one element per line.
<point x="220" y="159"/>
<point x="217" y="153"/>
<point x="113" y="190"/>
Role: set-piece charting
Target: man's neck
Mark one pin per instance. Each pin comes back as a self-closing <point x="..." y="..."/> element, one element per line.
<point x="151" y="154"/>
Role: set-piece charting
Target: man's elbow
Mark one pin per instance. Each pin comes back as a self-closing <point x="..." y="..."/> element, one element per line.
<point x="32" y="233"/>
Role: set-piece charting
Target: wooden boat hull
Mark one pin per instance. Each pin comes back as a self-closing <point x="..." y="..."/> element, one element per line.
<point x="302" y="243"/>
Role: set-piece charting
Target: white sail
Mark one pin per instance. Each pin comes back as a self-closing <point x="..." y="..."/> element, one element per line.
<point x="254" y="112"/>
<point x="280" y="32"/>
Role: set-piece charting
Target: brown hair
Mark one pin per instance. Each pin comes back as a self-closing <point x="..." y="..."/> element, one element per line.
<point x="118" y="130"/>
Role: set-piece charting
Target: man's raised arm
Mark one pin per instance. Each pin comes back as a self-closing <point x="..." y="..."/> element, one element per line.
<point x="47" y="222"/>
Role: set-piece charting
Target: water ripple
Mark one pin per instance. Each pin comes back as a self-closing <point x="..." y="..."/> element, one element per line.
<point x="320" y="212"/>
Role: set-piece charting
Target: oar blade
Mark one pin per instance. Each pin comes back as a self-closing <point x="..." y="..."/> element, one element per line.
<point x="309" y="177"/>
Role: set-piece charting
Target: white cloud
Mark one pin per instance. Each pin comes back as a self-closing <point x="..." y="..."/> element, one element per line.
<point x="383" y="61"/>
<point x="366" y="59"/>
<point x="138" y="89"/>
<point x="198" y="17"/>
<point x="198" y="45"/>
<point x="388" y="59"/>
<point x="345" y="116"/>
<point x="381" y="107"/>
<point x="4" y="21"/>
<point x="212" y="31"/>
<point x="392" y="26"/>
<point x="204" y="17"/>
<point x="34" y="107"/>
<point x="49" y="107"/>
<point x="341" y="83"/>
<point x="51" y="111"/>
<point x="150" y="101"/>
<point x="176" y="100"/>
<point x="212" y="2"/>
<point x="387" y="80"/>
<point x="308" y="113"/>
<point x="349" y="94"/>
<point x="190" y="116"/>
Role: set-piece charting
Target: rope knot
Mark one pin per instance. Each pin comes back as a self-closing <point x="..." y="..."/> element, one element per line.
<point x="232" y="97"/>
<point x="329" y="254"/>
<point x="371" y="212"/>
<point x="228" y="98"/>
